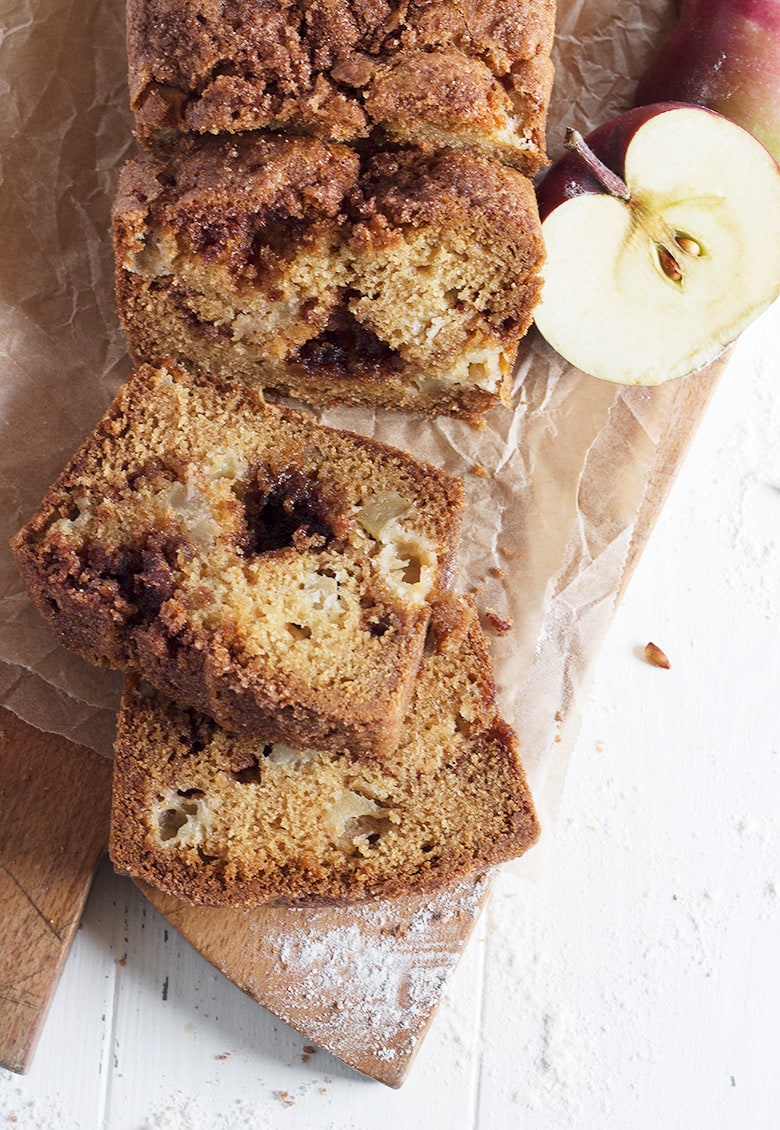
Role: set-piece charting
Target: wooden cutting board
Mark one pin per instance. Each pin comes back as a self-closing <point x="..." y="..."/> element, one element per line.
<point x="362" y="983"/>
<point x="54" y="808"/>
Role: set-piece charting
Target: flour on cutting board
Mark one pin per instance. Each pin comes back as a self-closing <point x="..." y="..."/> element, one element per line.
<point x="395" y="975"/>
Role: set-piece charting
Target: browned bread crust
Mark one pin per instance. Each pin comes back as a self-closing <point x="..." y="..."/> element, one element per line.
<point x="404" y="280"/>
<point x="270" y="572"/>
<point x="239" y="821"/>
<point x="431" y="72"/>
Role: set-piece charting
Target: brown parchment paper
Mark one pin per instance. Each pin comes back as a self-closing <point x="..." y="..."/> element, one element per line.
<point x="554" y="485"/>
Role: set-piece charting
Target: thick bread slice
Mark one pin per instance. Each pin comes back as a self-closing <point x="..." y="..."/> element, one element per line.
<point x="238" y="821"/>
<point x="403" y="280"/>
<point x="268" y="571"/>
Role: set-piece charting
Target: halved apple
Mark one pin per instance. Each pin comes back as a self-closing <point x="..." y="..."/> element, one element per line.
<point x="662" y="232"/>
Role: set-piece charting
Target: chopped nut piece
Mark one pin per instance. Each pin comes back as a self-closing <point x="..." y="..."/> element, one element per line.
<point x="654" y="655"/>
<point x="499" y="624"/>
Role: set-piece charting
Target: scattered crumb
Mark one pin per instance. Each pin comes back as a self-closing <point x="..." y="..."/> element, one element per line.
<point x="558" y="723"/>
<point x="307" y="1052"/>
<point x="509" y="554"/>
<point x="285" y="1098"/>
<point x="654" y="655"/>
<point x="223" y="1055"/>
<point x="498" y="624"/>
<point x="495" y="571"/>
<point x="478" y="469"/>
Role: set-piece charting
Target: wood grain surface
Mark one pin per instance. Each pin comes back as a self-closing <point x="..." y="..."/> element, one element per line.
<point x="54" y="807"/>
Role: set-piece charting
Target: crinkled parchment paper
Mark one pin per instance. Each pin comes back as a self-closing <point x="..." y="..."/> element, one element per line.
<point x="554" y="486"/>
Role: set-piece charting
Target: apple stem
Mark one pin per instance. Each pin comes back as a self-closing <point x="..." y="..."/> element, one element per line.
<point x="615" y="185"/>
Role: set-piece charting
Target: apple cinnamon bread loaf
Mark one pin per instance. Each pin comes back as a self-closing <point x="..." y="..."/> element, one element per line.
<point x="475" y="74"/>
<point x="241" y="820"/>
<point x="404" y="280"/>
<point x="270" y="572"/>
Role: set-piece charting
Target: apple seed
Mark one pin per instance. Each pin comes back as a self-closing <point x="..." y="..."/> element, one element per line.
<point x="669" y="265"/>
<point x="688" y="244"/>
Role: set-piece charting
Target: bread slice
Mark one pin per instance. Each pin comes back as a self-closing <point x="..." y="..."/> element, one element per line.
<point x="403" y="280"/>
<point x="239" y="821"/>
<point x="475" y="74"/>
<point x="268" y="571"/>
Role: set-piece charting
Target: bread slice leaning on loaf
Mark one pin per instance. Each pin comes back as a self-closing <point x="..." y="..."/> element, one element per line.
<point x="223" y="820"/>
<point x="270" y="572"/>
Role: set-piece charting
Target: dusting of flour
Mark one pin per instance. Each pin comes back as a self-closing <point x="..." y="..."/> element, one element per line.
<point x="372" y="985"/>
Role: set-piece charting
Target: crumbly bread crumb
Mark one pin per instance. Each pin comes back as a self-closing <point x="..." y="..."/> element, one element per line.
<point x="238" y="821"/>
<point x="476" y="74"/>
<point x="268" y="571"/>
<point x="401" y="280"/>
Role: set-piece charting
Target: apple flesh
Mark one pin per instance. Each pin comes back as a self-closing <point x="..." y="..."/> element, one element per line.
<point x="724" y="54"/>
<point x="651" y="276"/>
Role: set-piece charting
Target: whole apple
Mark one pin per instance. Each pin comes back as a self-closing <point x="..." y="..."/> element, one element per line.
<point x="724" y="54"/>
<point x="662" y="231"/>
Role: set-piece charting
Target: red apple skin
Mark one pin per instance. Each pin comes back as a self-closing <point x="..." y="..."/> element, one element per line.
<point x="569" y="176"/>
<point x="723" y="54"/>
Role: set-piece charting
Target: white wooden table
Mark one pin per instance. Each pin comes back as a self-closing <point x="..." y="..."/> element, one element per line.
<point x="634" y="984"/>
